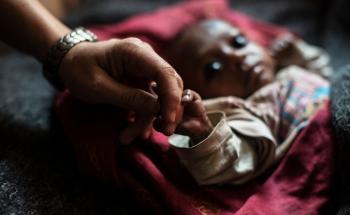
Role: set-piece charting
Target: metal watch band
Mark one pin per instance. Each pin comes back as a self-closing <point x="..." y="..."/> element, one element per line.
<point x="57" y="52"/>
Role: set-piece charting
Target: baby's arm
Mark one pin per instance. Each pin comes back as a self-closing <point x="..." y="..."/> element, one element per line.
<point x="225" y="150"/>
<point x="291" y="50"/>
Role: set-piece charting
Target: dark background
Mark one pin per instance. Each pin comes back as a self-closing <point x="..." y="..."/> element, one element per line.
<point x="37" y="170"/>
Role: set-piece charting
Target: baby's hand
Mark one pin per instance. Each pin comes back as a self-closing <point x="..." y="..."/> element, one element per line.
<point x="195" y="122"/>
<point x="284" y="50"/>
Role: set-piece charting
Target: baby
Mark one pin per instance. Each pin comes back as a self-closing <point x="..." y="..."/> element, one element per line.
<point x="257" y="100"/>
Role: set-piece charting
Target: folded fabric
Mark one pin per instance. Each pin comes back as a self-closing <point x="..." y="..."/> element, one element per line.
<point x="225" y="156"/>
<point x="150" y="169"/>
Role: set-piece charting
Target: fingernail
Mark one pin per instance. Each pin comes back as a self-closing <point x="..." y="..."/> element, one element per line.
<point x="186" y="98"/>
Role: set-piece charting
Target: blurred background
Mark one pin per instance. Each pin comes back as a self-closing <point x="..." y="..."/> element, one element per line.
<point x="321" y="22"/>
<point x="37" y="170"/>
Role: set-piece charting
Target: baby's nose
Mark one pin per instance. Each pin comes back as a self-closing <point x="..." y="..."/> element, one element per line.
<point x="248" y="62"/>
<point x="236" y="56"/>
<point x="239" y="61"/>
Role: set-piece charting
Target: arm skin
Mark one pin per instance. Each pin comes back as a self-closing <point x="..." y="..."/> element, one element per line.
<point x="29" y="27"/>
<point x="96" y="72"/>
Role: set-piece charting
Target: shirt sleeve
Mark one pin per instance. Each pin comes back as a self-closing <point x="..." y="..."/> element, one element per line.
<point x="236" y="151"/>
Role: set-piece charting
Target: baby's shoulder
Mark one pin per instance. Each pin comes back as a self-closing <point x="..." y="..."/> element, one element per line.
<point x="292" y="81"/>
<point x="299" y="74"/>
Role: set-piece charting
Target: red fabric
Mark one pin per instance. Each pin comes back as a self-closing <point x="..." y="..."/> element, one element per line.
<point x="300" y="184"/>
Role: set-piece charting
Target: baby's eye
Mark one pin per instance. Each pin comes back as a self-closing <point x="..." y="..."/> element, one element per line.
<point x="211" y="69"/>
<point x="239" y="41"/>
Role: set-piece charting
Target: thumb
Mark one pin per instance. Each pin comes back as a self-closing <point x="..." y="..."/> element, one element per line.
<point x="134" y="99"/>
<point x="106" y="90"/>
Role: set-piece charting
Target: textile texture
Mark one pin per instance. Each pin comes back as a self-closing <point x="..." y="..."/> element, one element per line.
<point x="37" y="168"/>
<point x="150" y="170"/>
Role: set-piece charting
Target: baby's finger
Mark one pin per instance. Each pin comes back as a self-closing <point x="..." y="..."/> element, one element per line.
<point x="195" y="107"/>
<point x="190" y="96"/>
<point x="196" y="96"/>
<point x="187" y="96"/>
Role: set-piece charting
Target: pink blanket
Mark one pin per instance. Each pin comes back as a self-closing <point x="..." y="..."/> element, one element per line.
<point x="150" y="170"/>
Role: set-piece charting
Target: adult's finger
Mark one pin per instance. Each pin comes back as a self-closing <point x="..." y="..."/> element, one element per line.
<point x="140" y="128"/>
<point x="143" y="62"/>
<point x="129" y="98"/>
<point x="101" y="88"/>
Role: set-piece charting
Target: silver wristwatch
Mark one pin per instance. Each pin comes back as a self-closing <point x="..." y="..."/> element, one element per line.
<point x="58" y="51"/>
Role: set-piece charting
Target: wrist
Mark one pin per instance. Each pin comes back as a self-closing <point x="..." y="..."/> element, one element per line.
<point x="57" y="52"/>
<point x="49" y="40"/>
<point x="203" y="134"/>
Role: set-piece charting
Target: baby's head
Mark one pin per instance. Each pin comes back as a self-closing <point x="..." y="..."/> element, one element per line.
<point x="215" y="59"/>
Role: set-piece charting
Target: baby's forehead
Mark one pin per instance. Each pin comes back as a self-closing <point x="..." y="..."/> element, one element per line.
<point x="195" y="41"/>
<point x="214" y="25"/>
<point x="207" y="31"/>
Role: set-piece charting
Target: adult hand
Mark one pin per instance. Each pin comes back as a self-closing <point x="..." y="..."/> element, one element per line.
<point x="110" y="72"/>
<point x="102" y="72"/>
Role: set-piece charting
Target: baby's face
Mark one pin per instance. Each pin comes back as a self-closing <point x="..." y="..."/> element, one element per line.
<point x="216" y="59"/>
